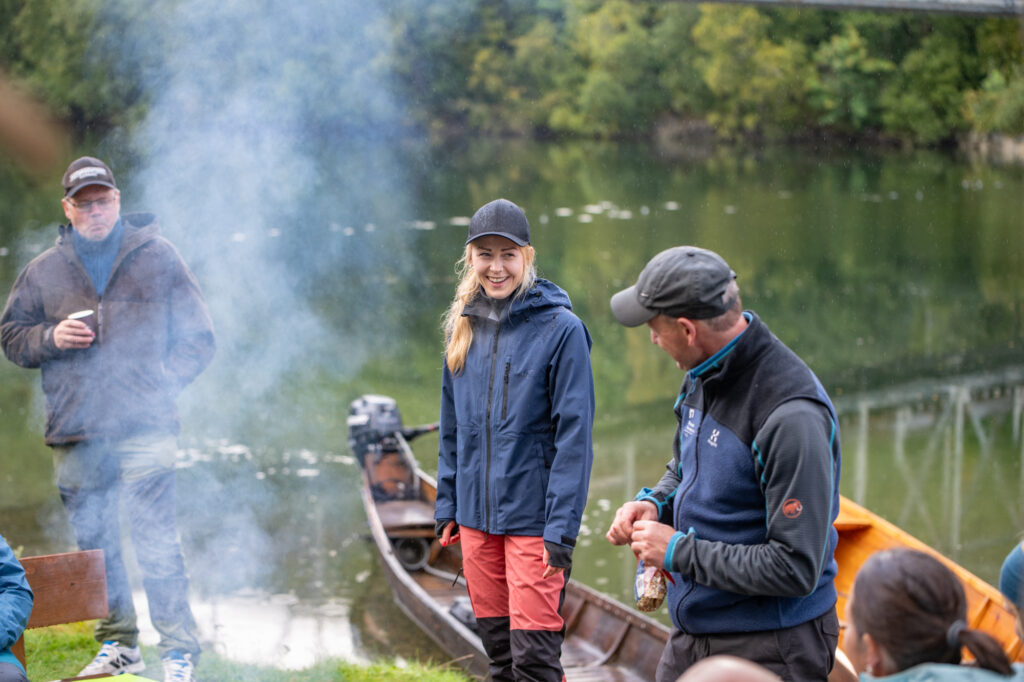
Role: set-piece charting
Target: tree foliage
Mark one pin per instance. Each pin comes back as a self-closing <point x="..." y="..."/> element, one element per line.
<point x="604" y="68"/>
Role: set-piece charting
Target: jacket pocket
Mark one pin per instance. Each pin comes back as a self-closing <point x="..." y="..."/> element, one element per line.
<point x="522" y="484"/>
<point x="470" y="483"/>
<point x="504" y="391"/>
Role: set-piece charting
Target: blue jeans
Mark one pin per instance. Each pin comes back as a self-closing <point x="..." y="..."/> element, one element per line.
<point x="11" y="673"/>
<point x="93" y="478"/>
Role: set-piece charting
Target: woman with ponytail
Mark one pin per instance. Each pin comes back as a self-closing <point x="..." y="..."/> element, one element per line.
<point x="906" y="620"/>
<point x="517" y="410"/>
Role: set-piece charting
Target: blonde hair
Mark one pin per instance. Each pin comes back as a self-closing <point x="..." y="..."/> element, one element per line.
<point x="458" y="332"/>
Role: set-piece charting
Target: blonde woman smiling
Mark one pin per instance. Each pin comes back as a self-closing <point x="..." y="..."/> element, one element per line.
<point x="517" y="409"/>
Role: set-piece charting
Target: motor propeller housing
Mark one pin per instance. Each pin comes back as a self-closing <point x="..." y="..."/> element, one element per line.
<point x="372" y="419"/>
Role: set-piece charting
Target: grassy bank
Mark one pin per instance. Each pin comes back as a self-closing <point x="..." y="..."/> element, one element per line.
<point x="63" y="650"/>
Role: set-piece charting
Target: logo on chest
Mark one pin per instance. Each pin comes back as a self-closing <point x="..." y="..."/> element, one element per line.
<point x="713" y="440"/>
<point x="690" y="427"/>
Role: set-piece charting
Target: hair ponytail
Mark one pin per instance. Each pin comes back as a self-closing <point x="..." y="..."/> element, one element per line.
<point x="986" y="651"/>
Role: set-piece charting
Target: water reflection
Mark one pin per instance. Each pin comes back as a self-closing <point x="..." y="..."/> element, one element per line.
<point x="283" y="570"/>
<point x="274" y="630"/>
<point x="951" y="455"/>
<point x="890" y="275"/>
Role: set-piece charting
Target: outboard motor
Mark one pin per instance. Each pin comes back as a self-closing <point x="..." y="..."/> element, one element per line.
<point x="372" y="419"/>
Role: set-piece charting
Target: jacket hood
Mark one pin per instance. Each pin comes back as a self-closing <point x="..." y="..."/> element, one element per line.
<point x="543" y="294"/>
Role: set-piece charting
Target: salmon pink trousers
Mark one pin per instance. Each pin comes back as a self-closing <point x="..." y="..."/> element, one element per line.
<point x="516" y="608"/>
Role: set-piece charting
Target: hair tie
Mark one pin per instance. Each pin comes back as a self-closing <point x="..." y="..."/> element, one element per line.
<point x="953" y="633"/>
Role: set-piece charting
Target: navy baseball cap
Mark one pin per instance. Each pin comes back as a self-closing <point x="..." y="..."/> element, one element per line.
<point x="500" y="217"/>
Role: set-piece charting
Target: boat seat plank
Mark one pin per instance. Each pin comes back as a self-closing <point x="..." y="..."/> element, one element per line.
<point x="602" y="674"/>
<point x="407" y="515"/>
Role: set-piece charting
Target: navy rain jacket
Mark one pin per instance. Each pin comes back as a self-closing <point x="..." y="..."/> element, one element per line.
<point x="516" y="444"/>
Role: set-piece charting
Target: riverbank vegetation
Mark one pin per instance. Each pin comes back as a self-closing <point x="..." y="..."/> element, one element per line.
<point x="595" y="68"/>
<point x="59" y="651"/>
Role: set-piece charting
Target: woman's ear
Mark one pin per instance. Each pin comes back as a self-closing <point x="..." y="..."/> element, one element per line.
<point x="877" y="659"/>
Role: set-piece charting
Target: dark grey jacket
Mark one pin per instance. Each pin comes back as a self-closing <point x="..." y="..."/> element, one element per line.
<point x="155" y="336"/>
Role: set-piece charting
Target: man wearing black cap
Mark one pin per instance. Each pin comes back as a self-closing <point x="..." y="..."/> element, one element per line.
<point x="116" y="322"/>
<point x="742" y="518"/>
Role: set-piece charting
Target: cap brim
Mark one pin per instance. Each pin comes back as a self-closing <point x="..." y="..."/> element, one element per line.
<point x="506" y="235"/>
<point x="628" y="311"/>
<point x="76" y="190"/>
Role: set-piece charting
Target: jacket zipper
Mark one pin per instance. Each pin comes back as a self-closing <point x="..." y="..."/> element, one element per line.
<point x="679" y="501"/>
<point x="504" y="393"/>
<point x="490" y="399"/>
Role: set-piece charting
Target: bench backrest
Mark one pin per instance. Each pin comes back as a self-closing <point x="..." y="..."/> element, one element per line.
<point x="66" y="588"/>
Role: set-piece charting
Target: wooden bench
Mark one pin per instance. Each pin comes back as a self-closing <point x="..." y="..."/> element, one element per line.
<point x="66" y="588"/>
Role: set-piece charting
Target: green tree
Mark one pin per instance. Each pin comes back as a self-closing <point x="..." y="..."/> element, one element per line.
<point x="925" y="98"/>
<point x="434" y="48"/>
<point x="998" y="105"/>
<point x="61" y="50"/>
<point x="759" y="85"/>
<point x="844" y="89"/>
<point x="550" y="75"/>
<point x="620" y="94"/>
<point x="677" y="56"/>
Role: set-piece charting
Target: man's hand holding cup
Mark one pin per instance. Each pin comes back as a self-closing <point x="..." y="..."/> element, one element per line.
<point x="77" y="331"/>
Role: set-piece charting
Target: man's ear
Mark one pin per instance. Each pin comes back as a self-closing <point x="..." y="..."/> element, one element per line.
<point x="689" y="329"/>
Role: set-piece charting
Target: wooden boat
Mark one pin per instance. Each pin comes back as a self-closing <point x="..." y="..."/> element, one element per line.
<point x="862" y="533"/>
<point x="605" y="639"/>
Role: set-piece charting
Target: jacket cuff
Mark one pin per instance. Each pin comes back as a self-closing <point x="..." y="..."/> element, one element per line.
<point x="559" y="556"/>
<point x="648" y="495"/>
<point x="678" y="544"/>
<point x="48" y="343"/>
<point x="439" y="525"/>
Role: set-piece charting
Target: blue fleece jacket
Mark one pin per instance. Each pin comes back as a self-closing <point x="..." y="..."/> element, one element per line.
<point x="752" y="491"/>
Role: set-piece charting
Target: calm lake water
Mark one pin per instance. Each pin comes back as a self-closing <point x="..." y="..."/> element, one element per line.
<point x="899" y="278"/>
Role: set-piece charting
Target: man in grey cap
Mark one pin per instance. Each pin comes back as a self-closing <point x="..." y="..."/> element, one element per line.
<point x="116" y="322"/>
<point x="742" y="518"/>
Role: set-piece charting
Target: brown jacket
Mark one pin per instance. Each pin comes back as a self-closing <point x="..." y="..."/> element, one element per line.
<point x="155" y="336"/>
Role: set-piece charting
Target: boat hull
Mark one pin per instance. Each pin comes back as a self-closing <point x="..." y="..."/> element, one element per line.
<point x="604" y="640"/>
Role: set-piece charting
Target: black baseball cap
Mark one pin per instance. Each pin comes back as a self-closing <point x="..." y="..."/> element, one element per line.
<point x="84" y="172"/>
<point x="500" y="217"/>
<point x="684" y="281"/>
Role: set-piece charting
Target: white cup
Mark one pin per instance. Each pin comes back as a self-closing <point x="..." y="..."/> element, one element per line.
<point x="86" y="316"/>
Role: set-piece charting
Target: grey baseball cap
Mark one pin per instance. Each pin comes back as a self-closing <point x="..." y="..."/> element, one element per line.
<point x="500" y="217"/>
<point x="684" y="281"/>
<point x="86" y="171"/>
